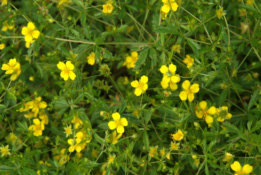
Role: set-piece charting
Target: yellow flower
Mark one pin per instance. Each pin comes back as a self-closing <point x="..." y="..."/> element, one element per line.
<point x="36" y="104"/>
<point x="162" y="152"/>
<point x="239" y="170"/>
<point x="242" y="12"/>
<point x="77" y="121"/>
<point x="153" y="151"/>
<point x="141" y="86"/>
<point x="67" y="70"/>
<point x="174" y="146"/>
<point x="189" y="91"/>
<point x="4" y="2"/>
<point x="250" y="2"/>
<point x="170" y="78"/>
<point x="68" y="130"/>
<point x="111" y="159"/>
<point x="178" y="136"/>
<point x="169" y="5"/>
<point x="44" y="117"/>
<point x="12" y="138"/>
<point x="63" y="3"/>
<point x="107" y="8"/>
<point x="38" y="127"/>
<point x="5" y="151"/>
<point x="12" y="67"/>
<point x="227" y="157"/>
<point x="131" y="60"/>
<point x="6" y="26"/>
<point x="220" y="13"/>
<point x="75" y="144"/>
<point x="91" y="59"/>
<point x="30" y="33"/>
<point x="115" y="137"/>
<point x="188" y="61"/>
<point x="223" y="114"/>
<point x="176" y="48"/>
<point x="118" y="123"/>
<point x="204" y="113"/>
<point x="2" y="46"/>
<point x="31" y="78"/>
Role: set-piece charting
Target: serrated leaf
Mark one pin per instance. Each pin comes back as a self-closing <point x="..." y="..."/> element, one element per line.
<point x="142" y="58"/>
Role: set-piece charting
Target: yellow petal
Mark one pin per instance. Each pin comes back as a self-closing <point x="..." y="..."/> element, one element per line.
<point x="30" y="26"/>
<point x="164" y="84"/>
<point x="134" y="54"/>
<point x="112" y="125"/>
<point x="229" y="116"/>
<point x="164" y="69"/>
<point x="42" y="105"/>
<point x="36" y="121"/>
<point x="135" y="83"/>
<point x="175" y="79"/>
<point x="69" y="65"/>
<point x="212" y="110"/>
<point x="145" y="87"/>
<point x="116" y="116"/>
<point x="64" y="75"/>
<point x="120" y="129"/>
<point x="61" y="65"/>
<point x="144" y="79"/>
<point x="199" y="114"/>
<point x="174" y="6"/>
<point x="36" y="34"/>
<point x="124" y="122"/>
<point x="186" y="85"/>
<point x="183" y="95"/>
<point x="173" y="86"/>
<point x="137" y="91"/>
<point x="203" y="105"/>
<point x="236" y="166"/>
<point x="165" y="8"/>
<point x="247" y="169"/>
<point x="28" y="38"/>
<point x="72" y="75"/>
<point x="172" y="68"/>
<point x="194" y="88"/>
<point x="190" y="97"/>
<point x="24" y="31"/>
<point x="209" y="119"/>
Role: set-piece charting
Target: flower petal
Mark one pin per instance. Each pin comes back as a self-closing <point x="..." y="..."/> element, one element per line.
<point x="212" y="110"/>
<point x="64" y="75"/>
<point x="120" y="129"/>
<point x="190" y="97"/>
<point x="164" y="84"/>
<point x="144" y="79"/>
<point x="236" y="166"/>
<point x="165" y="8"/>
<point x="173" y="86"/>
<point x="112" y="125"/>
<point x="137" y="91"/>
<point x="24" y="31"/>
<point x="175" y="79"/>
<point x="124" y="121"/>
<point x="183" y="95"/>
<point x="164" y="69"/>
<point x="72" y="75"/>
<point x="61" y="65"/>
<point x="135" y="83"/>
<point x="172" y="68"/>
<point x="36" y="34"/>
<point x="69" y="65"/>
<point x="116" y="116"/>
<point x="247" y="169"/>
<point x="186" y="85"/>
<point x="194" y="88"/>
<point x="30" y="26"/>
<point x="203" y="105"/>
<point x="209" y="119"/>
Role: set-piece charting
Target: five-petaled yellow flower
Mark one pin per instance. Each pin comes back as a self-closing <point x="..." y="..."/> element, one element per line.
<point x="38" y="127"/>
<point x="108" y="7"/>
<point x="2" y="46"/>
<point x="239" y="170"/>
<point x="204" y="113"/>
<point x="67" y="70"/>
<point x="220" y="13"/>
<point x="223" y="114"/>
<point x="118" y="123"/>
<point x="91" y="59"/>
<point x="189" y="91"/>
<point x="169" y="5"/>
<point x="5" y="151"/>
<point x="178" y="136"/>
<point x="131" y="60"/>
<point x="30" y="32"/>
<point x="141" y="86"/>
<point x="170" y="78"/>
<point x="188" y="61"/>
<point x="13" y="67"/>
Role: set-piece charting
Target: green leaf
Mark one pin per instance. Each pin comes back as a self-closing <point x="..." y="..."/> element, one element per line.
<point x="146" y="140"/>
<point x="222" y="97"/>
<point x="29" y="171"/>
<point x="98" y="138"/>
<point x="257" y="126"/>
<point x="22" y="126"/>
<point x="154" y="56"/>
<point x="194" y="46"/>
<point x="170" y="30"/>
<point x="253" y="99"/>
<point x="142" y="58"/>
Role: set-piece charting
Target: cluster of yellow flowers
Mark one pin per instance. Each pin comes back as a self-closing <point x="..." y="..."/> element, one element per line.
<point x="79" y="142"/>
<point x="167" y="6"/>
<point x="7" y="26"/>
<point x="170" y="78"/>
<point x="30" y="33"/>
<point x="131" y="60"/>
<point x="32" y="109"/>
<point x="12" y="67"/>
<point x="207" y="114"/>
<point x="108" y="7"/>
